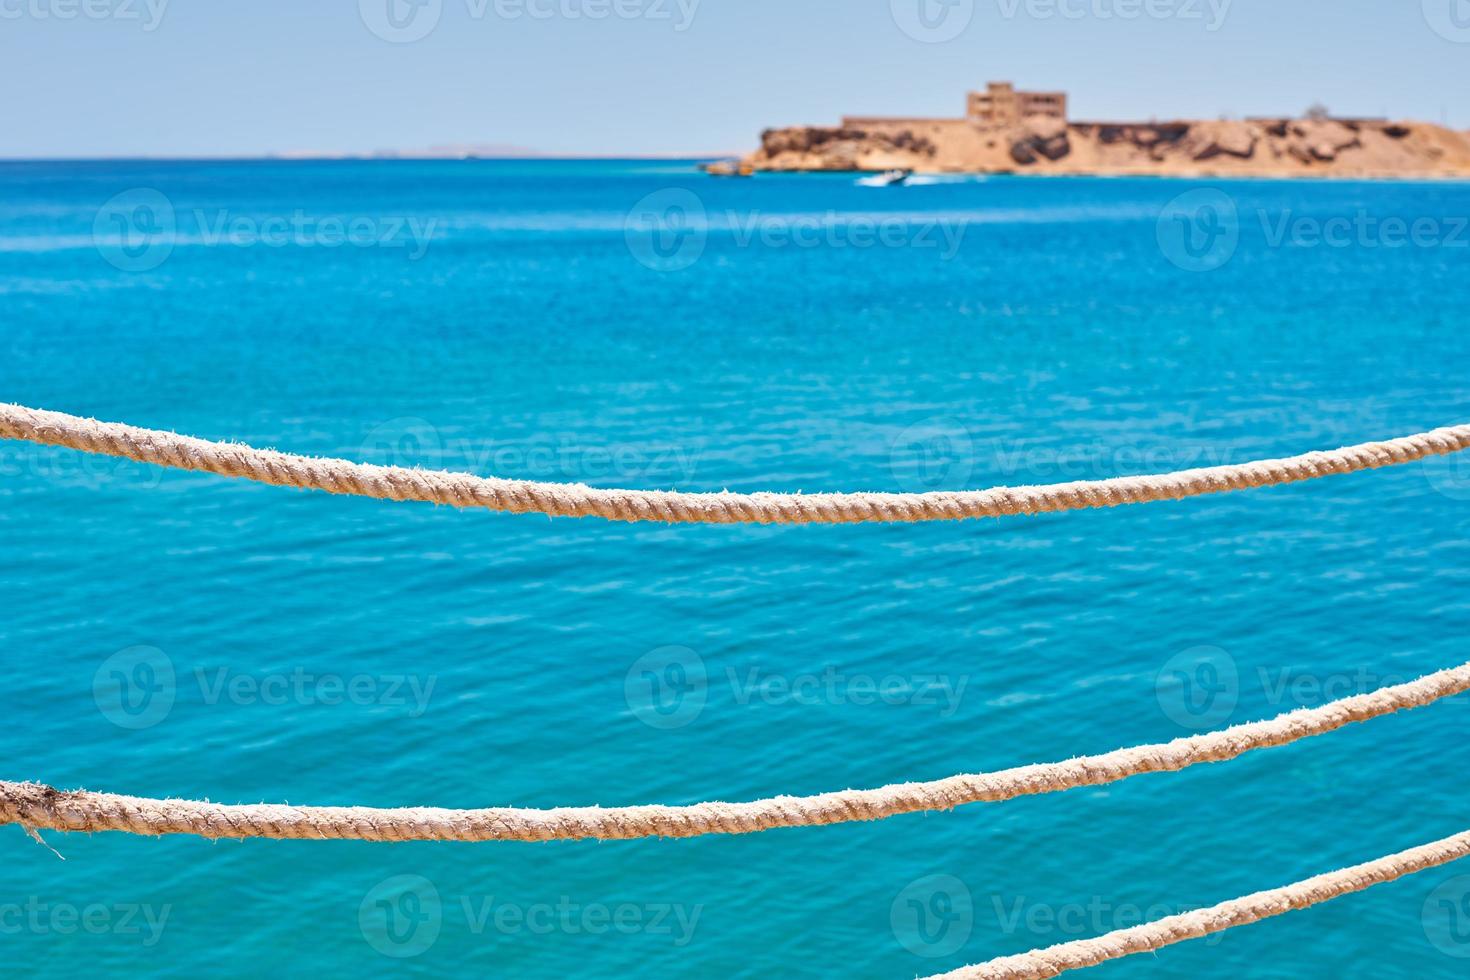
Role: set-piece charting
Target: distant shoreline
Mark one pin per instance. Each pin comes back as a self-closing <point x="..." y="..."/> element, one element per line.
<point x="1256" y="176"/>
<point x="1317" y="148"/>
<point x="1260" y="175"/>
<point x="372" y="158"/>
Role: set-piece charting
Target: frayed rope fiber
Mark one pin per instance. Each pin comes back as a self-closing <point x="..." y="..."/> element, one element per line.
<point x="44" y="808"/>
<point x="577" y="500"/>
<point x="1083" y="953"/>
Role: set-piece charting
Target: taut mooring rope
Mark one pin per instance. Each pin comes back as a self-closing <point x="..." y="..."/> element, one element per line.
<point x="578" y="500"/>
<point x="1056" y="960"/>
<point x="42" y="807"/>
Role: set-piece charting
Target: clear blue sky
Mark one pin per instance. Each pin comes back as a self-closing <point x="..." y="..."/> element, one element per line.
<point x="233" y="77"/>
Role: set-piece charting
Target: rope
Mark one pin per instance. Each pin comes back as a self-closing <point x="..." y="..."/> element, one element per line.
<point x="36" y="806"/>
<point x="578" y="500"/>
<point x="1152" y="936"/>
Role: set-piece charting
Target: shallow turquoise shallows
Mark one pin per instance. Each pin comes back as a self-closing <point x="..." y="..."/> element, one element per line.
<point x="637" y="324"/>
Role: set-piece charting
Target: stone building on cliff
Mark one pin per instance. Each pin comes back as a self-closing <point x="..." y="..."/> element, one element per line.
<point x="1001" y="105"/>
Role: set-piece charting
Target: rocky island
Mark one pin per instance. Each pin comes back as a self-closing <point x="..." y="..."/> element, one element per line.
<point x="1006" y="130"/>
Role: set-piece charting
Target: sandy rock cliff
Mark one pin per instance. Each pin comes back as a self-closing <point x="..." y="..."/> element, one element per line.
<point x="1281" y="147"/>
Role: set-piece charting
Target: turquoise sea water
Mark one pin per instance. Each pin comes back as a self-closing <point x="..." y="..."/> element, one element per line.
<point x="636" y="324"/>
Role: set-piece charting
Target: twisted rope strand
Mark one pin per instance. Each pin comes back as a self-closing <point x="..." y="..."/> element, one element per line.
<point x="1056" y="960"/>
<point x="42" y="807"/>
<point x="578" y="500"/>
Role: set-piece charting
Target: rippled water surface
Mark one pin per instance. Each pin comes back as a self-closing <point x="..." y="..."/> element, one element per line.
<point x="635" y="324"/>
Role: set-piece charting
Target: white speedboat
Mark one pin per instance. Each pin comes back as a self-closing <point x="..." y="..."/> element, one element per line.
<point x="889" y="178"/>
